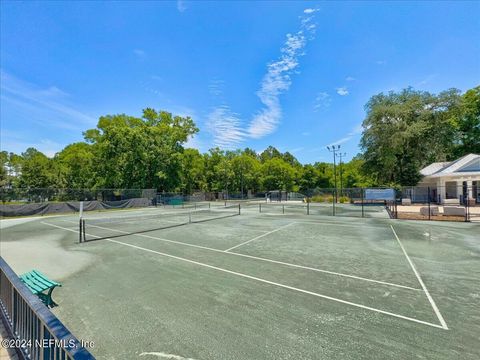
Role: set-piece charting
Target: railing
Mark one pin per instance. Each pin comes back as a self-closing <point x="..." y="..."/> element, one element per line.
<point x="36" y="332"/>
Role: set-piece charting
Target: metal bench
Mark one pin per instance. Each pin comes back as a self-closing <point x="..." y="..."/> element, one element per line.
<point x="38" y="284"/>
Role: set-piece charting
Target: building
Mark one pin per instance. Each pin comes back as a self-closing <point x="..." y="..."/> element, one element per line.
<point x="457" y="179"/>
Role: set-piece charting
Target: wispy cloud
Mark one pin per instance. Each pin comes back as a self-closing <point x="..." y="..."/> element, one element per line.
<point x="225" y="126"/>
<point x="342" y="91"/>
<point x="140" y="54"/>
<point x="355" y="131"/>
<point x="277" y="80"/>
<point x="380" y="62"/>
<point x="310" y="10"/>
<point x="349" y="78"/>
<point x="15" y="142"/>
<point x="427" y="80"/>
<point x="322" y="101"/>
<point x="181" y="5"/>
<point x="297" y="150"/>
<point x="216" y="86"/>
<point x="39" y="101"/>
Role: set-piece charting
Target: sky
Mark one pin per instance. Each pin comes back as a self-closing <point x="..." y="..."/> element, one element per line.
<point x="295" y="75"/>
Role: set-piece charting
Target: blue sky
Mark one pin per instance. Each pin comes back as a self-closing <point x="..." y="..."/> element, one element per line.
<point x="295" y="75"/>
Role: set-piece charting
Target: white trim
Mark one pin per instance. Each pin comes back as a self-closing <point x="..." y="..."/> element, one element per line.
<point x="430" y="299"/>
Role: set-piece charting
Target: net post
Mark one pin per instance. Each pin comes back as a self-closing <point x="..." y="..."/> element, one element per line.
<point x="209" y="205"/>
<point x="239" y="209"/>
<point x="308" y="208"/>
<point x="80" y="231"/>
<point x="283" y="209"/>
<point x="260" y="208"/>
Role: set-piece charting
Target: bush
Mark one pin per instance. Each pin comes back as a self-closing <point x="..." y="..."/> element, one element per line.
<point x="344" y="199"/>
<point x="321" y="198"/>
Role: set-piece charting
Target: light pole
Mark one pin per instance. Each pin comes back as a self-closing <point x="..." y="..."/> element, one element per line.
<point x="341" y="171"/>
<point x="333" y="149"/>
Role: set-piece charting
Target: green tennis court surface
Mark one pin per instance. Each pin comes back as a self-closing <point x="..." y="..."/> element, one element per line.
<point x="260" y="285"/>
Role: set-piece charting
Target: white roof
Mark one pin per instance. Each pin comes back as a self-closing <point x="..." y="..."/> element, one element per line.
<point x="466" y="165"/>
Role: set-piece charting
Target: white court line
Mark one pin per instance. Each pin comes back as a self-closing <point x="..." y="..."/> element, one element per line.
<point x="258" y="237"/>
<point x="248" y="256"/>
<point x="430" y="299"/>
<point x="278" y="284"/>
<point x="264" y="281"/>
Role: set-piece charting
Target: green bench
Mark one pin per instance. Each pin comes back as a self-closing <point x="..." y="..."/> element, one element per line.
<point x="38" y="284"/>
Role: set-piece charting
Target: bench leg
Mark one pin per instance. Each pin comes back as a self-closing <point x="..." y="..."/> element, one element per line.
<point x="48" y="298"/>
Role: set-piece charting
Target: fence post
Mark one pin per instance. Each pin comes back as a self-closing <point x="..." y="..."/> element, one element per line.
<point x="283" y="209"/>
<point x="308" y="208"/>
<point x="428" y="197"/>
<point x="333" y="200"/>
<point x="260" y="207"/>
<point x="363" y="211"/>
<point x="467" y="212"/>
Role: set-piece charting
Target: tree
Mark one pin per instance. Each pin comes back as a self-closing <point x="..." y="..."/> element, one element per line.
<point x="193" y="171"/>
<point x="467" y="139"/>
<point x="278" y="175"/>
<point x="77" y="163"/>
<point x="404" y="132"/>
<point x="140" y="152"/>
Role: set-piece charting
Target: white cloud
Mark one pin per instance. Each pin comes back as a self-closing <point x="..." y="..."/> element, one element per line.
<point x="310" y="11"/>
<point x="342" y="91"/>
<point x="296" y="150"/>
<point x="181" y="5"/>
<point x="139" y="53"/>
<point x="306" y="133"/>
<point x="215" y="87"/>
<point x="13" y="143"/>
<point x="39" y="102"/>
<point x="355" y="131"/>
<point x="194" y="143"/>
<point x="349" y="78"/>
<point x="277" y="81"/>
<point x="427" y="80"/>
<point x="322" y="101"/>
<point x="225" y="126"/>
<point x="380" y="62"/>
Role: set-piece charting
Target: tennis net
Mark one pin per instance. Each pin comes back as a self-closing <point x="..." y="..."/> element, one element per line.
<point x="103" y="227"/>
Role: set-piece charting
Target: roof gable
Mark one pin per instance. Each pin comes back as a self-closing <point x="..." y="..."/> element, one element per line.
<point x="467" y="163"/>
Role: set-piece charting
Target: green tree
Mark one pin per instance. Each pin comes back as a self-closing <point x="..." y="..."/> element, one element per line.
<point x="193" y="171"/>
<point x="278" y="175"/>
<point x="405" y="131"/>
<point x="467" y="139"/>
<point x="77" y="165"/>
<point x="140" y="152"/>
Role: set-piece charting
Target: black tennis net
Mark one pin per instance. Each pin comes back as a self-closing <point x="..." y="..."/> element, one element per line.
<point x="112" y="226"/>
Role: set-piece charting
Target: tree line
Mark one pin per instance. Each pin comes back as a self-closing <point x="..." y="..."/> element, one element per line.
<point x="402" y="132"/>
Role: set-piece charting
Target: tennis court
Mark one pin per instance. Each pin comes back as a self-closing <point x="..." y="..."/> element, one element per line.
<point x="207" y="283"/>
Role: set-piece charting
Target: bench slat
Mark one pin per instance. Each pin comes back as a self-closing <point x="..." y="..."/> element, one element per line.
<point x="38" y="283"/>
<point x="44" y="278"/>
<point x="31" y="284"/>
